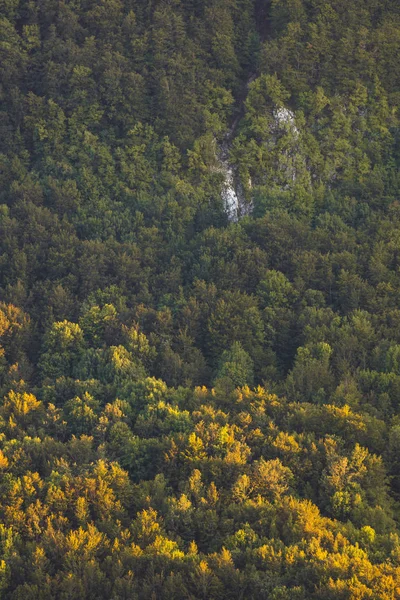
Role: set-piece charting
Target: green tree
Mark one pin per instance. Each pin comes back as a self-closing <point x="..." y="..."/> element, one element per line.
<point x="236" y="367"/>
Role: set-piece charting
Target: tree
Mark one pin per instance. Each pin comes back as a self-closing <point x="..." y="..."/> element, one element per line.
<point x="235" y="367"/>
<point x="311" y="378"/>
<point x="63" y="348"/>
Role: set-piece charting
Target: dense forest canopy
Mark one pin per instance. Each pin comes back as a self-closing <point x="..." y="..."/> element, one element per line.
<point x="195" y="406"/>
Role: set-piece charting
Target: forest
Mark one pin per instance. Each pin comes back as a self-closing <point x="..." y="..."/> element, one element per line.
<point x="199" y="404"/>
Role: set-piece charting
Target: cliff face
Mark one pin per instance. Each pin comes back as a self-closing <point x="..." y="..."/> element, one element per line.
<point x="229" y="194"/>
<point x="236" y="204"/>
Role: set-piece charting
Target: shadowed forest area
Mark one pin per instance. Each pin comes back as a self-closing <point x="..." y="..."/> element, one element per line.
<point x="194" y="406"/>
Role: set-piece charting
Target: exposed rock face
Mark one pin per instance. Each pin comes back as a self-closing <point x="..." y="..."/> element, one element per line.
<point x="284" y="118"/>
<point x="229" y="194"/>
<point x="233" y="196"/>
<point x="235" y="202"/>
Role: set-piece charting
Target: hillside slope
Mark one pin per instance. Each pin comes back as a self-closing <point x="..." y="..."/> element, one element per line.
<point x="197" y="406"/>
